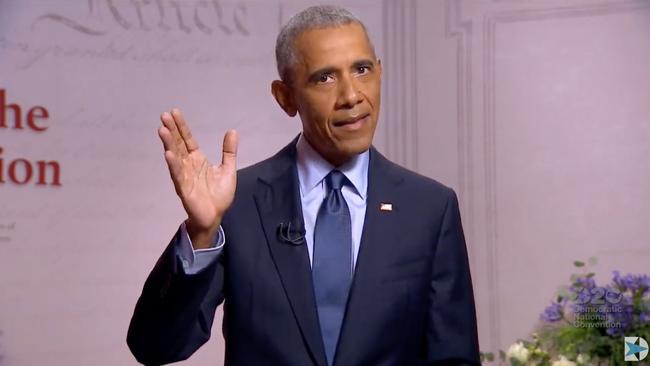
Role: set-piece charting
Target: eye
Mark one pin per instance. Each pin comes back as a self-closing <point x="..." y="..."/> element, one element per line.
<point x="364" y="69"/>
<point x="323" y="78"/>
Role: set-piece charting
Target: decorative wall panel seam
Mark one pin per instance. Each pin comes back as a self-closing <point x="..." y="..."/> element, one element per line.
<point x="400" y="117"/>
<point x="462" y="31"/>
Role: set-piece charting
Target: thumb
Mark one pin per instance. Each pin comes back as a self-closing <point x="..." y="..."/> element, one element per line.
<point x="229" y="153"/>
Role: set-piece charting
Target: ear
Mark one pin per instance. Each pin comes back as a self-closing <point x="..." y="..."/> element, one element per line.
<point x="284" y="97"/>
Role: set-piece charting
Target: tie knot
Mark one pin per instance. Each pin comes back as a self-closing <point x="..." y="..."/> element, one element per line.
<point x="335" y="179"/>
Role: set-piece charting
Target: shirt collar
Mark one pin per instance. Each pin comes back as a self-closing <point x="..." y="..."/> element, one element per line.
<point x="312" y="168"/>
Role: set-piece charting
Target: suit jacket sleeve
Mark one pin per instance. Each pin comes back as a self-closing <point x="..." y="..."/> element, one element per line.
<point x="175" y="311"/>
<point x="451" y="336"/>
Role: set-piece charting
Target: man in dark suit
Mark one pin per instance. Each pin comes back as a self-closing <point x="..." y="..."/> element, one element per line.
<point x="327" y="254"/>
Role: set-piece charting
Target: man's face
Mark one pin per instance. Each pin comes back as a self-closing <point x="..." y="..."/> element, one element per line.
<point x="336" y="87"/>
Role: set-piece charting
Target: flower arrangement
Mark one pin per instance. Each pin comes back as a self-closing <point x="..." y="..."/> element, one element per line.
<point x="586" y="324"/>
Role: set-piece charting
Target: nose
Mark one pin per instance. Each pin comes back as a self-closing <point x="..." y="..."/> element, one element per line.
<point x="349" y="94"/>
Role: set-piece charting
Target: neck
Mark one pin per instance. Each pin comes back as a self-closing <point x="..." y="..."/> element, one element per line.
<point x="335" y="159"/>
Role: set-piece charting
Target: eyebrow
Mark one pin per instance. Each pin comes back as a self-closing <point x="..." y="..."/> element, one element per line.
<point x="314" y="76"/>
<point x="364" y="62"/>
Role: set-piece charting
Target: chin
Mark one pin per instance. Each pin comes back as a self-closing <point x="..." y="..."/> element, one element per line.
<point x="354" y="147"/>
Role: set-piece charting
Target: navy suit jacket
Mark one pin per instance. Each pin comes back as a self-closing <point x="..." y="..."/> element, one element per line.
<point x="410" y="303"/>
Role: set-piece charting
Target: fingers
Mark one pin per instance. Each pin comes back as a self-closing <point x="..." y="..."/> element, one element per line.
<point x="175" y="170"/>
<point x="184" y="130"/>
<point x="166" y="138"/>
<point x="170" y="157"/>
<point x="178" y="145"/>
<point x="229" y="154"/>
<point x="178" y="142"/>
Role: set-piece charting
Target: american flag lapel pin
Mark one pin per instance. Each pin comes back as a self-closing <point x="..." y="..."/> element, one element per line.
<point x="387" y="207"/>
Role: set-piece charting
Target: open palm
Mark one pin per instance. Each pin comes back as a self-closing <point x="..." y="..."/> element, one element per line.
<point x="206" y="190"/>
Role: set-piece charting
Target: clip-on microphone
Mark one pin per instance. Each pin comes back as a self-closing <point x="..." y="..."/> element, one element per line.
<point x="289" y="236"/>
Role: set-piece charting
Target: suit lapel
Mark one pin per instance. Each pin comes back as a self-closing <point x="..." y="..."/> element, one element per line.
<point x="278" y="201"/>
<point x="374" y="250"/>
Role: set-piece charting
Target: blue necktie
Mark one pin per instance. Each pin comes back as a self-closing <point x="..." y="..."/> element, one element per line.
<point x="332" y="261"/>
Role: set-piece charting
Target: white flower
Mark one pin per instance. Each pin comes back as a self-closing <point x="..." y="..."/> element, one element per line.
<point x="563" y="361"/>
<point x="519" y="352"/>
<point x="582" y="359"/>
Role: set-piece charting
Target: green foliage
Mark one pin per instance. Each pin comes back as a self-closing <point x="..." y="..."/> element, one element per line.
<point x="486" y="356"/>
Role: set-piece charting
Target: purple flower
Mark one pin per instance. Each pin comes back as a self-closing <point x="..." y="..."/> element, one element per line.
<point x="614" y="331"/>
<point x="620" y="317"/>
<point x="644" y="318"/>
<point x="617" y="308"/>
<point x="632" y="282"/>
<point x="644" y="282"/>
<point x="552" y="313"/>
<point x="584" y="282"/>
<point x="616" y="278"/>
<point x="582" y="288"/>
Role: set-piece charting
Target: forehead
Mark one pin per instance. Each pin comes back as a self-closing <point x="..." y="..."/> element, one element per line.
<point x="333" y="46"/>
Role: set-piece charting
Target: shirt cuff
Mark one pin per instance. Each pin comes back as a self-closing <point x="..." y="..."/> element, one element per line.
<point x="194" y="261"/>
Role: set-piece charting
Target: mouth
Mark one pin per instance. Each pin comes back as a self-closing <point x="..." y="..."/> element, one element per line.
<point x="353" y="123"/>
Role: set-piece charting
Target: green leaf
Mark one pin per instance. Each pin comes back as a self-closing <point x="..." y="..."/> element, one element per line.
<point x="593" y="261"/>
<point x="486" y="356"/>
<point x="579" y="264"/>
<point x="564" y="292"/>
<point x="590" y="275"/>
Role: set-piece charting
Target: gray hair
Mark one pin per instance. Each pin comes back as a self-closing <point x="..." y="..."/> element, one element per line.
<point x="322" y="16"/>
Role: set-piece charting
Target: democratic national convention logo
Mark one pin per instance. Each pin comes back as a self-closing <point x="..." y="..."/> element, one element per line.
<point x="636" y="349"/>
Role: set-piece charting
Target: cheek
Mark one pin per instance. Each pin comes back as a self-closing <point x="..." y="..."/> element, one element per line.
<point x="375" y="94"/>
<point x="318" y="114"/>
<point x="315" y="124"/>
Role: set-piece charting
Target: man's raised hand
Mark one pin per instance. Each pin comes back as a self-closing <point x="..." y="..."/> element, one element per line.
<point x="206" y="190"/>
